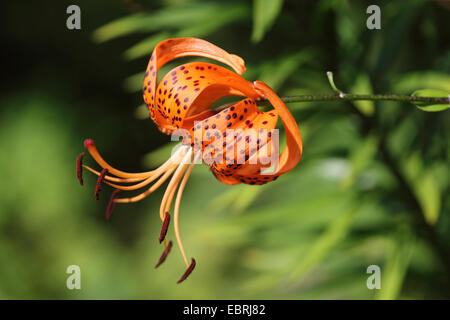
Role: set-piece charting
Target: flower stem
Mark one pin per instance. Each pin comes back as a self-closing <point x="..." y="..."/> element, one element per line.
<point x="354" y="97"/>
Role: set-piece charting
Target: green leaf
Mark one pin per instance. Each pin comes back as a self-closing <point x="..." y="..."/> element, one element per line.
<point x="361" y="157"/>
<point x="429" y="196"/>
<point x="141" y="112"/>
<point x="265" y="13"/>
<point x="223" y="200"/>
<point x="397" y="263"/>
<point x="166" y="19"/>
<point x="362" y="85"/>
<point x="201" y="26"/>
<point x="276" y="72"/>
<point x="119" y="27"/>
<point x="426" y="185"/>
<point x="331" y="237"/>
<point x="235" y="200"/>
<point x="134" y="83"/>
<point x="246" y="197"/>
<point x="416" y="80"/>
<point x="431" y="107"/>
<point x="206" y="26"/>
<point x="146" y="46"/>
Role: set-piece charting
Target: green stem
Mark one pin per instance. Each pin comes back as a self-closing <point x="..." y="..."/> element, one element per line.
<point x="354" y="97"/>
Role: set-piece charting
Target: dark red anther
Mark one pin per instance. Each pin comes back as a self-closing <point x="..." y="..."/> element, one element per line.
<point x="164" y="227"/>
<point x="88" y="143"/>
<point x="111" y="203"/>
<point x="164" y="255"/>
<point x="188" y="271"/>
<point x="80" y="168"/>
<point x="100" y="179"/>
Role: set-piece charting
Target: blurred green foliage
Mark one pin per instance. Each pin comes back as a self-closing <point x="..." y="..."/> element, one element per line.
<point x="372" y="186"/>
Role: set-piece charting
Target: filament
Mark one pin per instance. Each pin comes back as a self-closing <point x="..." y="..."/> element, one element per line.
<point x="168" y="195"/>
<point x="177" y="208"/>
<point x="90" y="146"/>
<point x="144" y="194"/>
<point x="114" y="179"/>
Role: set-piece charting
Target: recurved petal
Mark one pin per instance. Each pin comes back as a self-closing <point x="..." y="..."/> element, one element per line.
<point x="293" y="152"/>
<point x="191" y="88"/>
<point x="175" y="48"/>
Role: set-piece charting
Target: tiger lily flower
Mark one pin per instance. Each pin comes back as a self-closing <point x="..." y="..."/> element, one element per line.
<point x="235" y="141"/>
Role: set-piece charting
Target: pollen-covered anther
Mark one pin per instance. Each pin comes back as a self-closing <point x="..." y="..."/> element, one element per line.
<point x="111" y="203"/>
<point x="164" y="227"/>
<point x="188" y="271"/>
<point x="80" y="168"/>
<point x="164" y="254"/>
<point x="100" y="179"/>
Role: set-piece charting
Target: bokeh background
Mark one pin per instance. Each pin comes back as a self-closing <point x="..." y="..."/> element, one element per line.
<point x="372" y="186"/>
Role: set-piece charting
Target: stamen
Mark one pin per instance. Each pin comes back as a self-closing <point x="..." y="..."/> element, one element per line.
<point x="167" y="201"/>
<point x="90" y="146"/>
<point x="164" y="254"/>
<point x="173" y="184"/>
<point x="80" y="168"/>
<point x="111" y="204"/>
<point x="164" y="227"/>
<point x="188" y="271"/>
<point x="100" y="179"/>
<point x="147" y="192"/>
<point x="114" y="179"/>
<point x="138" y="185"/>
<point x="150" y="178"/>
<point x="177" y="207"/>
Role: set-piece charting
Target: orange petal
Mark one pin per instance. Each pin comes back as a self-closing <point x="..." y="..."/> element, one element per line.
<point x="293" y="151"/>
<point x="191" y="88"/>
<point x="175" y="48"/>
<point x="234" y="158"/>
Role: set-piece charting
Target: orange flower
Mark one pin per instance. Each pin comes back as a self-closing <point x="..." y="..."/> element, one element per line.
<point x="237" y="141"/>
